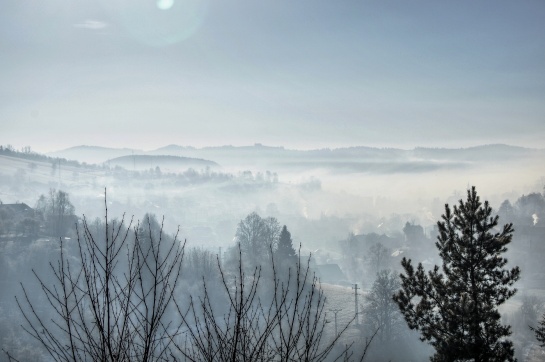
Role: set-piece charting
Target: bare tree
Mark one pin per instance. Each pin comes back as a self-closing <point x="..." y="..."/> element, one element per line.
<point x="377" y="258"/>
<point x="108" y="301"/>
<point x="255" y="235"/>
<point x="380" y="311"/>
<point x="58" y="212"/>
<point x="113" y="298"/>
<point x="281" y="319"/>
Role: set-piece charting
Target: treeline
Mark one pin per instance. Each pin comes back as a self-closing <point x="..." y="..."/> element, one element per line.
<point x="192" y="176"/>
<point x="27" y="154"/>
<point x="124" y="289"/>
<point x="527" y="210"/>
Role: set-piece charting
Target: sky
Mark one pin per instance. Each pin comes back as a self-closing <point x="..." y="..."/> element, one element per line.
<point x="299" y="73"/>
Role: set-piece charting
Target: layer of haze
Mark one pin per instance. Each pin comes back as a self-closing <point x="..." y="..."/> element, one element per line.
<point x="302" y="74"/>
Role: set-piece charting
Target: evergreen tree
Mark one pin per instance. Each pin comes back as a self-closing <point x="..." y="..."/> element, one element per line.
<point x="285" y="250"/>
<point x="540" y="331"/>
<point x="456" y="309"/>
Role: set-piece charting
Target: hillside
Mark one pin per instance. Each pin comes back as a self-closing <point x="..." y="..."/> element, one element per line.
<point x="93" y="154"/>
<point x="165" y="163"/>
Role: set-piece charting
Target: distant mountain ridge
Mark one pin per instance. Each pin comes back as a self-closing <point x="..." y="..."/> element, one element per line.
<point x="93" y="154"/>
<point x="164" y="162"/>
<point x="355" y="158"/>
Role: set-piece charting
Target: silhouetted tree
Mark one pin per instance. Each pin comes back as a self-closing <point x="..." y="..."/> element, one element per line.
<point x="540" y="331"/>
<point x="255" y="236"/>
<point x="507" y="211"/>
<point x="108" y="301"/>
<point x="530" y="208"/>
<point x="380" y="311"/>
<point x="58" y="212"/>
<point x="377" y="258"/>
<point x="284" y="250"/>
<point x="199" y="264"/>
<point x="529" y="310"/>
<point x="287" y="325"/>
<point x="115" y="299"/>
<point x="456" y="310"/>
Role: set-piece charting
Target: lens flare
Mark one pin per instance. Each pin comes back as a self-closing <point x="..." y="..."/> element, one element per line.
<point x="164" y="4"/>
<point x="158" y="22"/>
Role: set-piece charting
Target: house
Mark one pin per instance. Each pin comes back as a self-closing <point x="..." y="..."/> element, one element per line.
<point x="16" y="212"/>
<point x="330" y="273"/>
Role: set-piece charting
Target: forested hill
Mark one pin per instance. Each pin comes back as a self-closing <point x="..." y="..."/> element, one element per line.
<point x="173" y="163"/>
<point x="93" y="154"/>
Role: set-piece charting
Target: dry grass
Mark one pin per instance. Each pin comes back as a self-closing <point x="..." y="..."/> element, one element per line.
<point x="339" y="297"/>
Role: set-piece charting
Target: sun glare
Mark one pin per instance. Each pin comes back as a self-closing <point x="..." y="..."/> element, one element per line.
<point x="165" y="4"/>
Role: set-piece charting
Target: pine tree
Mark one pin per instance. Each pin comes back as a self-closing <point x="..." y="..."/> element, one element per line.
<point x="456" y="309"/>
<point x="285" y="250"/>
<point x="540" y="331"/>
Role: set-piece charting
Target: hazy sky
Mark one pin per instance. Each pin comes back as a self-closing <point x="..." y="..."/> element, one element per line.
<point x="298" y="73"/>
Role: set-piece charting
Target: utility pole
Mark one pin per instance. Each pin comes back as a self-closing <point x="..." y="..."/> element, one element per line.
<point x="336" y="311"/>
<point x="59" y="170"/>
<point x="355" y="287"/>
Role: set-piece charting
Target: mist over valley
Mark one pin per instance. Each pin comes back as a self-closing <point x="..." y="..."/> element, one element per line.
<point x="202" y="180"/>
<point x="201" y="187"/>
<point x="354" y="212"/>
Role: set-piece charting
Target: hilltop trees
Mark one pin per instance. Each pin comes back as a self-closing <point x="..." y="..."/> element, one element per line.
<point x="530" y="207"/>
<point x="456" y="309"/>
<point x="58" y="212"/>
<point x="256" y="236"/>
<point x="526" y="211"/>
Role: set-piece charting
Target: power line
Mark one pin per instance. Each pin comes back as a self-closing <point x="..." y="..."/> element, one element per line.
<point x="336" y="311"/>
<point x="355" y="287"/>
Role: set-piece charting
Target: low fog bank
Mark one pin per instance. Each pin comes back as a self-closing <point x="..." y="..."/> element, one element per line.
<point x="207" y="202"/>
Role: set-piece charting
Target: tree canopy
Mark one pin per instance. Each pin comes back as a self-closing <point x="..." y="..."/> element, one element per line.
<point x="58" y="212"/>
<point x="257" y="236"/>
